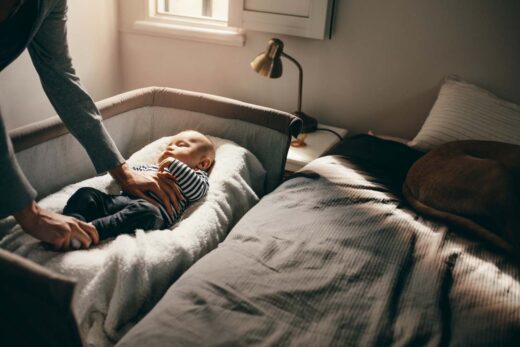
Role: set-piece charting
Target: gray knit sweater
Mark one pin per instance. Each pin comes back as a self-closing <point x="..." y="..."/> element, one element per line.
<point x="46" y="39"/>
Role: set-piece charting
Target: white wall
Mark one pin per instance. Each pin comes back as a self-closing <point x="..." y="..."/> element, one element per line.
<point x="381" y="70"/>
<point x="93" y="40"/>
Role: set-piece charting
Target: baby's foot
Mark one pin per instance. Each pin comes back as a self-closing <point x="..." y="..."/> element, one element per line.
<point x="75" y="243"/>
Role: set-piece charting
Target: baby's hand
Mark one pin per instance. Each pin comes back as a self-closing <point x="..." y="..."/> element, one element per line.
<point x="165" y="163"/>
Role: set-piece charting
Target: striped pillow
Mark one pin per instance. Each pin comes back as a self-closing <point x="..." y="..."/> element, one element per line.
<point x="464" y="111"/>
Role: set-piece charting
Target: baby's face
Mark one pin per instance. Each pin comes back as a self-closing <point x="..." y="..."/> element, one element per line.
<point x="190" y="147"/>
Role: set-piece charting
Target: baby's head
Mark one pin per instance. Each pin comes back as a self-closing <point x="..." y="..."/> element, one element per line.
<point x="192" y="148"/>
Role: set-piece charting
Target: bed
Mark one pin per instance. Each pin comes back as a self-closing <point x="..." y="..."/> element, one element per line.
<point x="118" y="282"/>
<point x="335" y="257"/>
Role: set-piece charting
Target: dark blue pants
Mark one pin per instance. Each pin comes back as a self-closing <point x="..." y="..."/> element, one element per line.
<point x="112" y="215"/>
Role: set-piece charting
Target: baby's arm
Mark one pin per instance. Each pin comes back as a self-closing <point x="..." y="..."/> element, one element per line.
<point x="194" y="184"/>
<point x="165" y="163"/>
<point x="166" y="158"/>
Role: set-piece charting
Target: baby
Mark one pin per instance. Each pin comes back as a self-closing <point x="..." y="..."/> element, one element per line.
<point x="188" y="158"/>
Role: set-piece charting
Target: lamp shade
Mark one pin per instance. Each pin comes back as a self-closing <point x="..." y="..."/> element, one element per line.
<point x="269" y="63"/>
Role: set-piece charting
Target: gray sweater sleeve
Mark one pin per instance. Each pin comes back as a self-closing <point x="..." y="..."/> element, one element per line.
<point x="50" y="55"/>
<point x="16" y="191"/>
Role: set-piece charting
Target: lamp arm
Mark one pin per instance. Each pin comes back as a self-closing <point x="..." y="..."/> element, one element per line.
<point x="300" y="85"/>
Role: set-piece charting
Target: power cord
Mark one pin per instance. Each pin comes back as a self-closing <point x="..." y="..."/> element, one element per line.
<point x="332" y="131"/>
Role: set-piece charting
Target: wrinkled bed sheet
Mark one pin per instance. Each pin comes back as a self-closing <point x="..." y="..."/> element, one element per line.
<point x="119" y="281"/>
<point x="334" y="258"/>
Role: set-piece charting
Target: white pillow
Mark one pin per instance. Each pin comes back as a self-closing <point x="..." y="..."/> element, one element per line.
<point x="464" y="111"/>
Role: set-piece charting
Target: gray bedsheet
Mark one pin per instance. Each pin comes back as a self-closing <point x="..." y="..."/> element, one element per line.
<point x="333" y="258"/>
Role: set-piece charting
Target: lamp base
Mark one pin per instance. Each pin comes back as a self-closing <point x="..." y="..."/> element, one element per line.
<point x="309" y="124"/>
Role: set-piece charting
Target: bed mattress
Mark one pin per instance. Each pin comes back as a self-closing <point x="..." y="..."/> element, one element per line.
<point x="334" y="257"/>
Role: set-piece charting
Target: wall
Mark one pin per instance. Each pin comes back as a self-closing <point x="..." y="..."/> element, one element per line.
<point x="93" y="39"/>
<point x="381" y="70"/>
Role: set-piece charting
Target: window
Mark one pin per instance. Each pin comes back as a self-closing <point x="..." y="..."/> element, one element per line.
<point x="198" y="20"/>
<point x="209" y="14"/>
<point x="202" y="9"/>
<point x="224" y="21"/>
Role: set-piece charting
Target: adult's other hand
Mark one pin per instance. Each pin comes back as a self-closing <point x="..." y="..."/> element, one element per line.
<point x="55" y="229"/>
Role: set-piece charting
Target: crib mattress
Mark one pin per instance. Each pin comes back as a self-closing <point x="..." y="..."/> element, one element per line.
<point x="121" y="279"/>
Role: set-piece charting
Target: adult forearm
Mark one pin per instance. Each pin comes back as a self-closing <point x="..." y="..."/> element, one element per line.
<point x="28" y="215"/>
<point x="81" y="116"/>
<point x="50" y="55"/>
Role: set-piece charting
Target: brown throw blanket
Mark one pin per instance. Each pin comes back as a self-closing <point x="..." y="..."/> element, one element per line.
<point x="473" y="184"/>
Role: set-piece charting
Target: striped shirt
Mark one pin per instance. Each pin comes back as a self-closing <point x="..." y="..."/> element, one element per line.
<point x="193" y="184"/>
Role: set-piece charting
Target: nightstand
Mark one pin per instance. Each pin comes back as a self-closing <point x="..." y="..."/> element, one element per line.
<point x="317" y="142"/>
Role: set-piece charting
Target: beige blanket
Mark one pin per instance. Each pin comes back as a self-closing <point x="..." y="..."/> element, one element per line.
<point x="473" y="184"/>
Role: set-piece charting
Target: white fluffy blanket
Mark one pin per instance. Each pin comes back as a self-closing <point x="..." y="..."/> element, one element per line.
<point x="120" y="280"/>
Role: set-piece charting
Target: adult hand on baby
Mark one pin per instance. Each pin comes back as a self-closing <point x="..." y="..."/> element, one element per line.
<point x="55" y="229"/>
<point x="162" y="184"/>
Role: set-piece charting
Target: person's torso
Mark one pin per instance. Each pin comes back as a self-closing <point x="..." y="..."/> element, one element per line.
<point x="17" y="31"/>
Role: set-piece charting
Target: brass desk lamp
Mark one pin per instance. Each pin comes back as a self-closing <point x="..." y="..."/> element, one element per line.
<point x="269" y="64"/>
